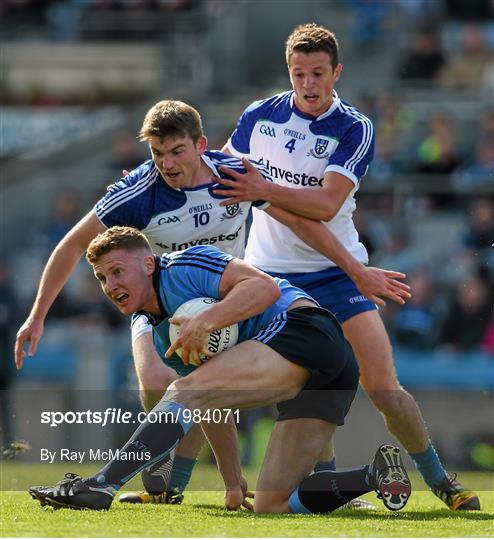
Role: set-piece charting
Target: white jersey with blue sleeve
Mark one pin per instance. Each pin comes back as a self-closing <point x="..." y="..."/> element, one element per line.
<point x="175" y="219"/>
<point x="297" y="150"/>
<point x="197" y="272"/>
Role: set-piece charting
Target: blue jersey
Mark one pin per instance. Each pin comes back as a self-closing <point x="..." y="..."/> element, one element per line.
<point x="175" y="219"/>
<point x="197" y="272"/>
<point x="298" y="150"/>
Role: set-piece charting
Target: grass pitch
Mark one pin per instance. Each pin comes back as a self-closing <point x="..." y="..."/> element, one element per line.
<point x="202" y="515"/>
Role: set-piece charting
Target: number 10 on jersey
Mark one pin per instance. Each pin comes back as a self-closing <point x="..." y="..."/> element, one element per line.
<point x="201" y="219"/>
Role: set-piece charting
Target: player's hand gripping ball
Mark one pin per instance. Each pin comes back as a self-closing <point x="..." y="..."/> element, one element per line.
<point x="218" y="340"/>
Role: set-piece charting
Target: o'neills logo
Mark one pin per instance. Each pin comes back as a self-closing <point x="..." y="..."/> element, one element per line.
<point x="356" y="299"/>
<point x="219" y="340"/>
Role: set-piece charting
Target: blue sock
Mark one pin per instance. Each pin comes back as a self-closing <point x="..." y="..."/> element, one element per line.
<point x="429" y="466"/>
<point x="151" y="442"/>
<point x="181" y="472"/>
<point x="325" y="465"/>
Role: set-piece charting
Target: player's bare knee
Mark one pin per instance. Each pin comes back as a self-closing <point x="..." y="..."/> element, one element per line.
<point x="155" y="379"/>
<point x="184" y="391"/>
<point x="152" y="385"/>
<point x="177" y="388"/>
<point x="151" y="390"/>
<point x="270" y="503"/>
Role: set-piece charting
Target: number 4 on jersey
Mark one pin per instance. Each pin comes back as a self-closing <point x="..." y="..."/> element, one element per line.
<point x="290" y="145"/>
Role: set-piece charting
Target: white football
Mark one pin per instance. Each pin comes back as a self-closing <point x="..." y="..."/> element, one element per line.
<point x="218" y="341"/>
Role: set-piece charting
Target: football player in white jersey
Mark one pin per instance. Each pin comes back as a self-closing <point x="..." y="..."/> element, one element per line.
<point x="170" y="199"/>
<point x="317" y="148"/>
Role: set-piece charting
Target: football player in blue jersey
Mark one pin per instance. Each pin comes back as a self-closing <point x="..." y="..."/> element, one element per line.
<point x="287" y="345"/>
<point x="170" y="199"/>
<point x="317" y="148"/>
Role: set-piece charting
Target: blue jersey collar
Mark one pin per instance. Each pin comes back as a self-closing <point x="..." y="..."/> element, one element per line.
<point x="214" y="170"/>
<point x="207" y="160"/>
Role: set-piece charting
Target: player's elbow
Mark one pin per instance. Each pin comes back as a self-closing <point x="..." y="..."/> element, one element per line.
<point x="270" y="290"/>
<point x="74" y="243"/>
<point x="326" y="216"/>
<point x="317" y="214"/>
<point x="324" y="210"/>
<point x="328" y="212"/>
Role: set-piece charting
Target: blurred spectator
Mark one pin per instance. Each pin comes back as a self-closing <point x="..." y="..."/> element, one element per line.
<point x="476" y="172"/>
<point x="393" y="119"/>
<point x="478" y="169"/>
<point x="465" y="70"/>
<point x="64" y="216"/>
<point x="63" y="17"/>
<point x="385" y="164"/>
<point x="126" y="154"/>
<point x="120" y="20"/>
<point x="367" y="103"/>
<point x="84" y="304"/>
<point x="469" y="314"/>
<point x="419" y="12"/>
<point x="93" y="308"/>
<point x="178" y="5"/>
<point x="480" y="232"/>
<point x="469" y="10"/>
<point x="396" y="252"/>
<point x="394" y="123"/>
<point x="106" y="4"/>
<point x="368" y="19"/>
<point x="24" y="13"/>
<point x="424" y="59"/>
<point x="64" y="307"/>
<point x="438" y="150"/>
<point x="488" y="81"/>
<point x="8" y="325"/>
<point x="438" y="154"/>
<point x="476" y="250"/>
<point x="486" y="125"/>
<point x="415" y="325"/>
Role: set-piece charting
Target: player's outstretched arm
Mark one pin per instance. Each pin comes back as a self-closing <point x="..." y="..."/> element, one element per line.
<point x="58" y="269"/>
<point x="222" y="437"/>
<point x="321" y="204"/>
<point x="374" y="283"/>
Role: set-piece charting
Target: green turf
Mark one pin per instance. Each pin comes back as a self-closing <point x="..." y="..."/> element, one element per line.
<point x="202" y="514"/>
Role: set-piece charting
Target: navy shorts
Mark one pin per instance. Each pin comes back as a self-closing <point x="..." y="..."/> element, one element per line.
<point x="333" y="290"/>
<point x="312" y="337"/>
